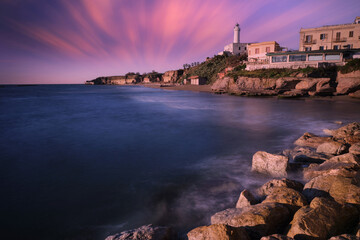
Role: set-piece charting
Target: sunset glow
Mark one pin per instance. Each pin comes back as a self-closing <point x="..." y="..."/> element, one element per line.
<point x="72" y="41"/>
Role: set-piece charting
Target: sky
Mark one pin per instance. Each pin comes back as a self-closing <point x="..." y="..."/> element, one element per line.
<point x="71" y="41"/>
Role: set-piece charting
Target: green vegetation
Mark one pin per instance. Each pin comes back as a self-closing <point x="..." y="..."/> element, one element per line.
<point x="212" y="66"/>
<point x="351" y="66"/>
<point x="283" y="72"/>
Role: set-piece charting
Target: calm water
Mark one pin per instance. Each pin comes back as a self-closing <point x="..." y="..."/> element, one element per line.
<point x="82" y="162"/>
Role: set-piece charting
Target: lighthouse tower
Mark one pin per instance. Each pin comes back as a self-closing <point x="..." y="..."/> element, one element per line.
<point x="237" y="33"/>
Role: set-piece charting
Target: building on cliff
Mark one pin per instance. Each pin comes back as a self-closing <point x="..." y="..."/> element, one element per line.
<point x="235" y="48"/>
<point x="341" y="36"/>
<point x="257" y="51"/>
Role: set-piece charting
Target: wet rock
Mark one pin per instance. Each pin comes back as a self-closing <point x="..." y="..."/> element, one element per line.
<point x="355" y="149"/>
<point x="147" y="232"/>
<point x="288" y="196"/>
<point x="306" y="155"/>
<point x="293" y="94"/>
<point x="355" y="94"/>
<point x="341" y="189"/>
<point x="349" y="132"/>
<point x="218" y="232"/>
<point x="270" y="164"/>
<point x="269" y="187"/>
<point x="331" y="147"/>
<point x="344" y="237"/>
<point x="262" y="219"/>
<point x="322" y="219"/>
<point x="311" y="140"/>
<point x="276" y="237"/>
<point x="246" y="199"/>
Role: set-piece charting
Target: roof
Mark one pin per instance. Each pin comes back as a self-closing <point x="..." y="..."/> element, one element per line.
<point x="262" y="43"/>
<point x="193" y="77"/>
<point x="314" y="52"/>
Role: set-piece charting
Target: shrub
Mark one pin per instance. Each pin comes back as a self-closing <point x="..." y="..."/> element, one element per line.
<point x="351" y="66"/>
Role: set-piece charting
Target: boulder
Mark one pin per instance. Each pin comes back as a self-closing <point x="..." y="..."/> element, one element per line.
<point x="288" y="196"/>
<point x="306" y="155"/>
<point x="355" y="149"/>
<point x="324" y="88"/>
<point x="355" y="94"/>
<point x="341" y="189"/>
<point x="350" y="132"/>
<point x="269" y="187"/>
<point x="262" y="219"/>
<point x="307" y="84"/>
<point x="347" y="85"/>
<point x="331" y="147"/>
<point x="218" y="231"/>
<point x="287" y="83"/>
<point x="311" y="140"/>
<point x="322" y="219"/>
<point x="246" y="199"/>
<point x="344" y="237"/>
<point x="270" y="164"/>
<point x="276" y="237"/>
<point x="147" y="232"/>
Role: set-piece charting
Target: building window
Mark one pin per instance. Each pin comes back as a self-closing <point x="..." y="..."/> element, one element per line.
<point x="267" y="49"/>
<point x="338" y="34"/>
<point x="332" y="57"/>
<point x="322" y="36"/>
<point x="351" y="33"/>
<point x="244" y="48"/>
<point x="307" y="49"/>
<point x="317" y="57"/>
<point x="336" y="47"/>
<point x="257" y="50"/>
<point x="349" y="46"/>
<point x="308" y="38"/>
<point x="321" y="48"/>
<point x="279" y="59"/>
<point x="297" y="58"/>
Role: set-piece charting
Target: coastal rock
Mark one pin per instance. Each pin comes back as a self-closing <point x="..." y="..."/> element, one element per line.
<point x="324" y="88"/>
<point x="344" y="237"/>
<point x="331" y="147"/>
<point x="348" y="83"/>
<point x="311" y="140"/>
<point x="341" y="189"/>
<point x="172" y="76"/>
<point x="322" y="219"/>
<point x="306" y="155"/>
<point x="218" y="232"/>
<point x="269" y="186"/>
<point x="292" y="94"/>
<point x="345" y="165"/>
<point x="355" y="94"/>
<point x="246" y="83"/>
<point x="349" y="132"/>
<point x="246" y="199"/>
<point x="287" y="83"/>
<point x="307" y="84"/>
<point x="276" y="237"/>
<point x="262" y="219"/>
<point x="355" y="149"/>
<point x="270" y="164"/>
<point x="288" y="196"/>
<point x="221" y="85"/>
<point x="147" y="232"/>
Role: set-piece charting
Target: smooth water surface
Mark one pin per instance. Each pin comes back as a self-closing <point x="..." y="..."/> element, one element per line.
<point x="83" y="162"/>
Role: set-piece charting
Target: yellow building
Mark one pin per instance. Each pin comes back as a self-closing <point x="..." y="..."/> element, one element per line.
<point x="342" y="36"/>
<point x="257" y="51"/>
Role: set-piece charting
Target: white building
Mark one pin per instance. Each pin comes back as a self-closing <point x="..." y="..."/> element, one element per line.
<point x="235" y="48"/>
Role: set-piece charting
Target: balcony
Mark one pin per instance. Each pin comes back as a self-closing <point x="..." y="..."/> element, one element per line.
<point x="309" y="42"/>
<point x="340" y="39"/>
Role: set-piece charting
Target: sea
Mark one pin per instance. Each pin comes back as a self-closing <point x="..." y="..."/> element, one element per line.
<point x="85" y="162"/>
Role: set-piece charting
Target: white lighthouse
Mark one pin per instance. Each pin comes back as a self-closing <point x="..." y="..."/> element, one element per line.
<point x="237" y="33"/>
<point x="235" y="48"/>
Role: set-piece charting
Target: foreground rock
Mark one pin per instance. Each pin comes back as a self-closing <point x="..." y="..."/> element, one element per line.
<point x="246" y="199"/>
<point x="147" y="232"/>
<point x="276" y="237"/>
<point x="270" y="164"/>
<point x="311" y="140"/>
<point x="331" y="147"/>
<point x="218" y="231"/>
<point x="306" y="155"/>
<point x="322" y="219"/>
<point x="262" y="219"/>
<point x="269" y="186"/>
<point x="350" y="133"/>
<point x="344" y="237"/>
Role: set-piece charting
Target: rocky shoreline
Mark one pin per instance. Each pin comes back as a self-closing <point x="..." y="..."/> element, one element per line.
<point x="325" y="205"/>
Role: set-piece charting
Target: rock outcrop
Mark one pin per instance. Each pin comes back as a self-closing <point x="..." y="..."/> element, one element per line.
<point x="269" y="186"/>
<point x="270" y="164"/>
<point x="311" y="140"/>
<point x="218" y="231"/>
<point x="348" y="83"/>
<point x="147" y="232"/>
<point x="246" y="199"/>
<point x="172" y="76"/>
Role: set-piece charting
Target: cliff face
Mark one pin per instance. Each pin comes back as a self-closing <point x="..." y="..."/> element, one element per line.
<point x="172" y="76"/>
